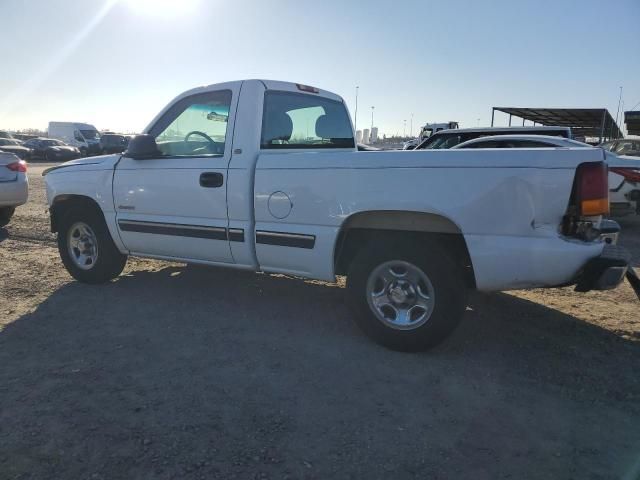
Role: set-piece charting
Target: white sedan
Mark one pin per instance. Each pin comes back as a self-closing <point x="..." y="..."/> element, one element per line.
<point x="14" y="186"/>
<point x="624" y="172"/>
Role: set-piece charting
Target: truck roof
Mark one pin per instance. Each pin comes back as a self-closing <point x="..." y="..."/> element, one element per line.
<point x="268" y="84"/>
<point x="82" y="125"/>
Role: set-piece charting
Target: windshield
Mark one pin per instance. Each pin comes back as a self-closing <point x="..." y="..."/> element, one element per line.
<point x="426" y="133"/>
<point x="90" y="134"/>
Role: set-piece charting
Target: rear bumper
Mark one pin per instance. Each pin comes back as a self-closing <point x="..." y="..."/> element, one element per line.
<point x="15" y="192"/>
<point x="607" y="271"/>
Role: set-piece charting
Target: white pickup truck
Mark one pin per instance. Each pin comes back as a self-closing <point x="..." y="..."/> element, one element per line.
<point x="265" y="176"/>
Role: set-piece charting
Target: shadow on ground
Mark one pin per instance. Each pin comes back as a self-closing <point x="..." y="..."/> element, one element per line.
<point x="223" y="374"/>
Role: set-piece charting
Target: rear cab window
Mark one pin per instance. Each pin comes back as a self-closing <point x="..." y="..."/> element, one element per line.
<point x="294" y="120"/>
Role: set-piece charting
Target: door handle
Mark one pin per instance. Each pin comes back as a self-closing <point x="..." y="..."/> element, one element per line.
<point x="211" y="179"/>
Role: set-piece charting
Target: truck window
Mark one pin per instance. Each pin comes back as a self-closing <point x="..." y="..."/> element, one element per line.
<point x="195" y="126"/>
<point x="297" y="120"/>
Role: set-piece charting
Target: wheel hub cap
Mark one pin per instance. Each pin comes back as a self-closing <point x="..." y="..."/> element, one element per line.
<point x="82" y="245"/>
<point x="400" y="295"/>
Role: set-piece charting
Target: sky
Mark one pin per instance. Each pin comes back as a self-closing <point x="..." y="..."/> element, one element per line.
<point x="117" y="63"/>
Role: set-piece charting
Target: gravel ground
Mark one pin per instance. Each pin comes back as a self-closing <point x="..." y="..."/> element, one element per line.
<point x="183" y="372"/>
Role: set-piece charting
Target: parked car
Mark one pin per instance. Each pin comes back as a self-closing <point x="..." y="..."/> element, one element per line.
<point x="14" y="186"/>
<point x="624" y="172"/>
<point x="51" y="150"/>
<point x="113" y="143"/>
<point x="623" y="146"/>
<point x="15" y="147"/>
<point x="624" y="184"/>
<point x="266" y="176"/>
<point x="5" y="134"/>
<point x="450" y="138"/>
<point x="521" y="141"/>
<point x="83" y="136"/>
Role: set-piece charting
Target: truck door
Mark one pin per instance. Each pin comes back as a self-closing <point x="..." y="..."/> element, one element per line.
<point x="175" y="205"/>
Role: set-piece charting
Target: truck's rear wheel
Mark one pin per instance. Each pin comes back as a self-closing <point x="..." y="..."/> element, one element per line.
<point x="86" y="248"/>
<point x="405" y="298"/>
<point x="5" y="215"/>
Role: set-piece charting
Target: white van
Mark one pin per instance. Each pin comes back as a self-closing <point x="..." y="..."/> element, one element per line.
<point x="82" y="135"/>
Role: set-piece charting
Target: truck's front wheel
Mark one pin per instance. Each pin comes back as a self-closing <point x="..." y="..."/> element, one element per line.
<point x="405" y="298"/>
<point x="86" y="248"/>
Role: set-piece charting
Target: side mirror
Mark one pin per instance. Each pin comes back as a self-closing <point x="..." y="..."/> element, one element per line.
<point x="142" y="147"/>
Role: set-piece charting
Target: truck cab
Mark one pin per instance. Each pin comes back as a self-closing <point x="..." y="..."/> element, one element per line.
<point x="430" y="128"/>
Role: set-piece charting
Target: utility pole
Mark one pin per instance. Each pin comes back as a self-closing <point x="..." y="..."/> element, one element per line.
<point x="355" y="119"/>
<point x="411" y="127"/>
<point x="404" y="129"/>
<point x="618" y="112"/>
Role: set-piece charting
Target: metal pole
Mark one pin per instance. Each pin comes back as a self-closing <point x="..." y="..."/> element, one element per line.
<point x="523" y="122"/>
<point x="509" y="119"/>
<point x="355" y="120"/>
<point x="619" y="100"/>
<point x="493" y="111"/>
<point x="411" y="127"/>
<point x="404" y="129"/>
<point x="604" y="116"/>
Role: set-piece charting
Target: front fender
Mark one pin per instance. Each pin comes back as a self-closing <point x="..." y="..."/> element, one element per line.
<point x="95" y="185"/>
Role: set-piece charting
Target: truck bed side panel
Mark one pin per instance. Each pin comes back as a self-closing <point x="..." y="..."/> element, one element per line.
<point x="507" y="203"/>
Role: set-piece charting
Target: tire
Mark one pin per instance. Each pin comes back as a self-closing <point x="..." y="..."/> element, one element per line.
<point x="5" y="215"/>
<point x="437" y="276"/>
<point x="85" y="263"/>
<point x="46" y="157"/>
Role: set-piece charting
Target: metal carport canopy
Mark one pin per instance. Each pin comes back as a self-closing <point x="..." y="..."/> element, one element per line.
<point x="584" y="122"/>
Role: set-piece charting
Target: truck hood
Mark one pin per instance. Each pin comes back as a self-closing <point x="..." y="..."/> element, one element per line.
<point x="102" y="162"/>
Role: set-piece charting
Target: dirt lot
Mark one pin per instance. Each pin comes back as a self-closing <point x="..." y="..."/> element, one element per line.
<point x="176" y="372"/>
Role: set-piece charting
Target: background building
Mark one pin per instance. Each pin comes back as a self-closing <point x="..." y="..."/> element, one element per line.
<point x="374" y="135"/>
<point x="358" y="136"/>
<point x="365" y="136"/>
